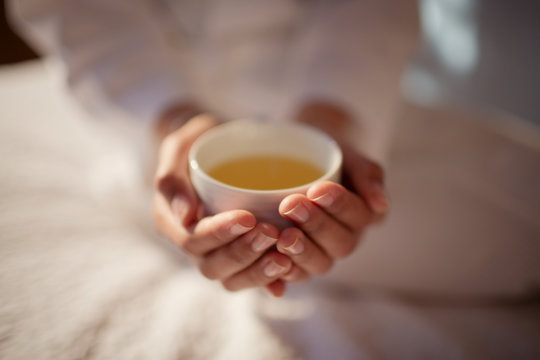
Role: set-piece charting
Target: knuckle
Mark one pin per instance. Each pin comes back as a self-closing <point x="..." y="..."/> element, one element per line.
<point x="314" y="224"/>
<point x="221" y="234"/>
<point x="237" y="255"/>
<point x="292" y="232"/>
<point x="306" y="257"/>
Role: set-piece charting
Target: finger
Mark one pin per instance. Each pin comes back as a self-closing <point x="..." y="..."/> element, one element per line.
<point x="331" y="236"/>
<point x="277" y="288"/>
<point x="179" y="193"/>
<point x="342" y="204"/>
<point x="172" y="175"/>
<point x="186" y="208"/>
<point x="215" y="231"/>
<point x="303" y="252"/>
<point x="367" y="178"/>
<point x="239" y="253"/>
<point x="263" y="272"/>
<point x="296" y="275"/>
<point x="166" y="223"/>
<point x="375" y="196"/>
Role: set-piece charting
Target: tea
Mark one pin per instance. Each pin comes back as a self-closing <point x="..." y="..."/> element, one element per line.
<point x="266" y="172"/>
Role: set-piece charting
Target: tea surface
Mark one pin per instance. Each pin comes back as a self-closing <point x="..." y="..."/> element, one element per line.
<point x="265" y="172"/>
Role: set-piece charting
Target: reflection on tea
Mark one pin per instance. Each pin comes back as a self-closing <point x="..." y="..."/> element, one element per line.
<point x="266" y="172"/>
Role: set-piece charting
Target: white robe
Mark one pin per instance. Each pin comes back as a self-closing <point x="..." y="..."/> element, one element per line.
<point x="238" y="58"/>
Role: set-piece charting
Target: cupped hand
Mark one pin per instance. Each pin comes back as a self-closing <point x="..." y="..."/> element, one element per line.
<point x="330" y="218"/>
<point x="231" y="246"/>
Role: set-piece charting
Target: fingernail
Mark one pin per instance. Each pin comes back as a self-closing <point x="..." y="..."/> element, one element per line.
<point x="238" y="229"/>
<point x="180" y="205"/>
<point x="324" y="200"/>
<point x="296" y="248"/>
<point x="262" y="242"/>
<point x="378" y="199"/>
<point x="273" y="269"/>
<point x="298" y="213"/>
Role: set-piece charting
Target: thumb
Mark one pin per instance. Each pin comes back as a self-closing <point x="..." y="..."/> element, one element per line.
<point x="172" y="175"/>
<point x="185" y="210"/>
<point x="180" y="195"/>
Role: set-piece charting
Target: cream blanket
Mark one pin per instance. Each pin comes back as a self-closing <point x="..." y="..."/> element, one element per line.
<point x="83" y="274"/>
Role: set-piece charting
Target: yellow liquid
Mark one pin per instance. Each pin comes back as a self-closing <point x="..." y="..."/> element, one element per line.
<point x="266" y="172"/>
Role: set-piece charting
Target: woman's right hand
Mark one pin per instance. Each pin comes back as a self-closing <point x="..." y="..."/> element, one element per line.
<point x="231" y="246"/>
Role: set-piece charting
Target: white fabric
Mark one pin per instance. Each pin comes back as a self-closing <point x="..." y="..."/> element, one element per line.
<point x="84" y="276"/>
<point x="238" y="58"/>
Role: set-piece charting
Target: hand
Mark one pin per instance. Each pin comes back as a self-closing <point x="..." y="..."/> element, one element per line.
<point x="230" y="247"/>
<point x="330" y="218"/>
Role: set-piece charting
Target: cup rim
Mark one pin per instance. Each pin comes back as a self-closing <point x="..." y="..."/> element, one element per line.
<point x="194" y="165"/>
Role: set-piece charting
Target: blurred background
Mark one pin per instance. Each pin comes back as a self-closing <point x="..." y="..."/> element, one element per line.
<point x="478" y="53"/>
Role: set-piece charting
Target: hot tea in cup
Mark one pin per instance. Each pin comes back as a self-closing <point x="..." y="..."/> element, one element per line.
<point x="252" y="165"/>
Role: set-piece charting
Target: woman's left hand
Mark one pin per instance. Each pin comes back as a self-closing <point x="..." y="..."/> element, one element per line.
<point x="330" y="219"/>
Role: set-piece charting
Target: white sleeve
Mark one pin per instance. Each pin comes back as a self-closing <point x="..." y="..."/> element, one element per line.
<point x="353" y="55"/>
<point x="115" y="52"/>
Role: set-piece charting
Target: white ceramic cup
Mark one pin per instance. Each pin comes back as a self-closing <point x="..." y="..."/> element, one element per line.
<point x="251" y="138"/>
